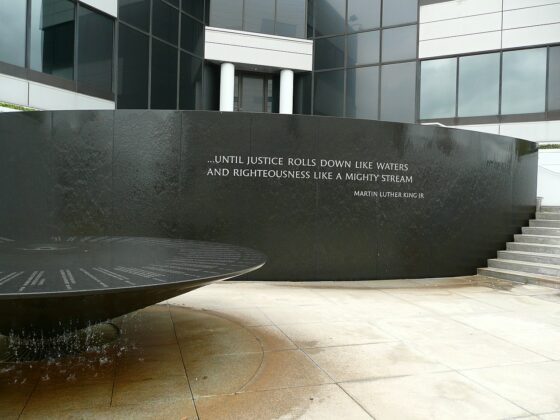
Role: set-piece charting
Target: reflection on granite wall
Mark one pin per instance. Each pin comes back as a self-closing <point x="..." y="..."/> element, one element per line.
<point x="152" y="173"/>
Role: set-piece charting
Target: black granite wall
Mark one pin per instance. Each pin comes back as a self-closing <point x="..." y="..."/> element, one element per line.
<point x="145" y="173"/>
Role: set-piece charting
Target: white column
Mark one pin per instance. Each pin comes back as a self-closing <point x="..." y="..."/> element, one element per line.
<point x="286" y="92"/>
<point x="227" y="82"/>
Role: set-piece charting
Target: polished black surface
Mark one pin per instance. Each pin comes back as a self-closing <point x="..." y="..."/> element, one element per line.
<point x="74" y="271"/>
<point x="144" y="173"/>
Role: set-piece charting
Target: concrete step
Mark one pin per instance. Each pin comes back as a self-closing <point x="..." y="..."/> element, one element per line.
<point x="546" y="231"/>
<point x="526" y="267"/>
<point x="548" y="216"/>
<point x="545" y="223"/>
<point x="539" y="248"/>
<point x="537" y="239"/>
<point x="520" y="277"/>
<point x="535" y="257"/>
<point x="553" y="209"/>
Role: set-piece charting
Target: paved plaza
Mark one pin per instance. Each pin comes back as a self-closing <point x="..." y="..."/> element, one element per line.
<point x="458" y="348"/>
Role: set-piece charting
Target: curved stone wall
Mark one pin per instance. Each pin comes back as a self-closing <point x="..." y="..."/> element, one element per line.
<point x="323" y="198"/>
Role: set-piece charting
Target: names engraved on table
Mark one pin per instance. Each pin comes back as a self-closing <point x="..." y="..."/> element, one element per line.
<point x="377" y="176"/>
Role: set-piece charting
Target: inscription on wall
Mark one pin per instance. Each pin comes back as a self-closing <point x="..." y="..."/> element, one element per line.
<point x="379" y="179"/>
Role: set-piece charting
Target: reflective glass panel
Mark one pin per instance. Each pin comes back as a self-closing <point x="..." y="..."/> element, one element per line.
<point x="363" y="15"/>
<point x="52" y="37"/>
<point x="133" y="69"/>
<point x="211" y="86"/>
<point x="192" y="35"/>
<point x="438" y="87"/>
<point x="12" y="32"/>
<point x="95" y="49"/>
<point x="252" y="94"/>
<point x="399" y="44"/>
<point x="226" y="14"/>
<point x="135" y="12"/>
<point x="302" y="93"/>
<point x="290" y="18"/>
<point x="523" y="81"/>
<point x="164" y="76"/>
<point x="362" y="92"/>
<point x="328" y="96"/>
<point x="398" y="92"/>
<point x="363" y="48"/>
<point x="554" y="79"/>
<point x="329" y="53"/>
<point x="190" y="83"/>
<point x="330" y="17"/>
<point x="396" y="12"/>
<point x="479" y="85"/>
<point x="259" y="16"/>
<point x="165" y="22"/>
<point x="194" y="8"/>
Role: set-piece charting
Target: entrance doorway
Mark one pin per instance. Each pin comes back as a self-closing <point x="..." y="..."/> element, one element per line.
<point x="256" y="92"/>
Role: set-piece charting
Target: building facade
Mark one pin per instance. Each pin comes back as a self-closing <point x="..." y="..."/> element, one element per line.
<point x="485" y="65"/>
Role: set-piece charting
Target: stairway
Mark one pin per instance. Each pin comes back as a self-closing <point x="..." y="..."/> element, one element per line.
<point x="534" y="256"/>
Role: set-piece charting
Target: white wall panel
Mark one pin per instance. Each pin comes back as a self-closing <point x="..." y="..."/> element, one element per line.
<point x="541" y="15"/>
<point x="51" y="98"/>
<point x="519" y="4"/>
<point x="108" y="6"/>
<point x="483" y="128"/>
<point x="458" y="8"/>
<point x="460" y="44"/>
<point x="225" y="45"/>
<point x="13" y="90"/>
<point x="462" y="26"/>
<point x="534" y="35"/>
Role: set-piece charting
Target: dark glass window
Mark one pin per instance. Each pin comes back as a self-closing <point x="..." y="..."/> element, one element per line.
<point x="259" y="16"/>
<point x="95" y="49"/>
<point x="363" y="15"/>
<point x="329" y="52"/>
<point x="398" y="92"/>
<point x="397" y="12"/>
<point x="190" y="83"/>
<point x="290" y="18"/>
<point x="328" y="96"/>
<point x="554" y="79"/>
<point x="362" y="92"/>
<point x="173" y="2"/>
<point x="226" y="14"/>
<point x="211" y="86"/>
<point x="399" y="43"/>
<point x="12" y="32"/>
<point x="363" y="48"/>
<point x="192" y="35"/>
<point x="524" y="81"/>
<point x="479" y="85"/>
<point x="302" y="93"/>
<point x="52" y="37"/>
<point x="165" y="22"/>
<point x="194" y="8"/>
<point x="330" y="17"/>
<point x="164" y="76"/>
<point x="135" y="12"/>
<point x="133" y="69"/>
<point x="438" y="87"/>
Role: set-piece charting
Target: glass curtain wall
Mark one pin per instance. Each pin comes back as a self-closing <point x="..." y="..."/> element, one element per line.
<point x="61" y="38"/>
<point x="365" y="58"/>
<point x="161" y="54"/>
<point x="278" y="17"/>
<point x="13" y="17"/>
<point x="491" y="86"/>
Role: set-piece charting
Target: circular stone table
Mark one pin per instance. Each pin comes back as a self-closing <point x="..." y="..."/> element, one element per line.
<point x="47" y="288"/>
